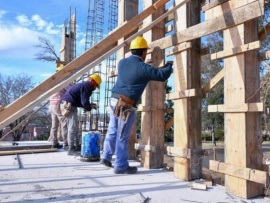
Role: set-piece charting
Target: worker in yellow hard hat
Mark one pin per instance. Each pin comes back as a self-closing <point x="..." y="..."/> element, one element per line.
<point x="95" y="80"/>
<point x="78" y="95"/>
<point x="133" y="76"/>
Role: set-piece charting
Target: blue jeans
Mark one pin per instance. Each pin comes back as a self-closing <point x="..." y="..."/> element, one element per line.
<point x="113" y="143"/>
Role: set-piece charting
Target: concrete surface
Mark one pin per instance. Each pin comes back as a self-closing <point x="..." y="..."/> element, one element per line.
<point x="57" y="177"/>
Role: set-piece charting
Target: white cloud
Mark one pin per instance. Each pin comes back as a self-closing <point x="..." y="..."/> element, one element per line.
<point x="17" y="41"/>
<point x="50" y="29"/>
<point x="23" y="20"/>
<point x="39" y="22"/>
<point x="2" y="13"/>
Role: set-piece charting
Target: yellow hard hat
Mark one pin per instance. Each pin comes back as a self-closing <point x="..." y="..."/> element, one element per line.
<point x="60" y="67"/>
<point x="96" y="78"/>
<point x="139" y="43"/>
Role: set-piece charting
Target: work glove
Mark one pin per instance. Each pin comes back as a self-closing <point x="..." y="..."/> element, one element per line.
<point x="94" y="106"/>
<point x="171" y="62"/>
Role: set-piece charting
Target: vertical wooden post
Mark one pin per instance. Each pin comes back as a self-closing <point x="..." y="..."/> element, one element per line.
<point x="187" y="111"/>
<point x="127" y="10"/>
<point x="242" y="134"/>
<point x="241" y="81"/>
<point x="153" y="121"/>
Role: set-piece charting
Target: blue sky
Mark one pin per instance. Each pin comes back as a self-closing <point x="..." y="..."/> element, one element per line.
<point x="23" y="21"/>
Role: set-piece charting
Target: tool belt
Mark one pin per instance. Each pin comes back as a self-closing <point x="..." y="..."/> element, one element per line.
<point x="66" y="108"/>
<point x="122" y="107"/>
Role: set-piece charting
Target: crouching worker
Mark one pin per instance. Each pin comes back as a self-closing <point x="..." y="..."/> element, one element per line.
<point x="78" y="96"/>
<point x="133" y="76"/>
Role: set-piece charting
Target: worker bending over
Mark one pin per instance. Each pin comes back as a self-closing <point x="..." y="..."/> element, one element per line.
<point x="78" y="96"/>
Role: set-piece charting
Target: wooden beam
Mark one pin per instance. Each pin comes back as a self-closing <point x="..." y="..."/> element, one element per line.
<point x="213" y="4"/>
<point x="227" y="7"/>
<point x="236" y="50"/>
<point x="83" y="63"/>
<point x="218" y="77"/>
<point x="30" y="151"/>
<point x="1" y="108"/>
<point x="168" y="124"/>
<point x="179" y="48"/>
<point x="227" y="20"/>
<point x="243" y="173"/>
<point x="183" y="94"/>
<point x="204" y="51"/>
<point x="179" y="152"/>
<point x="146" y="148"/>
<point x="250" y="107"/>
<point x="264" y="32"/>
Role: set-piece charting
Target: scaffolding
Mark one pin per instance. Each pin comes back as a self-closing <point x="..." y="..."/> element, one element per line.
<point x="110" y="63"/>
<point x="94" y="34"/>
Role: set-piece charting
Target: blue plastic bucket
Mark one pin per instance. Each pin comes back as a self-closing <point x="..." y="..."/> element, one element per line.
<point x="90" y="150"/>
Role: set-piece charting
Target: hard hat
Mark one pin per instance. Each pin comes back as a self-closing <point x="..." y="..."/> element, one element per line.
<point x="60" y="67"/>
<point x="96" y="78"/>
<point x="139" y="43"/>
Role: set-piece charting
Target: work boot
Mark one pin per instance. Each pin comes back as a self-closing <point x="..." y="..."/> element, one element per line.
<point x="129" y="170"/>
<point x="106" y="162"/>
<point x="72" y="151"/>
<point x="66" y="147"/>
<point x="57" y="145"/>
<point x="78" y="148"/>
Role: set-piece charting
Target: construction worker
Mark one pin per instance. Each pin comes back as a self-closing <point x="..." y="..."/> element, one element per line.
<point x="133" y="76"/>
<point x="78" y="96"/>
<point x="57" y="118"/>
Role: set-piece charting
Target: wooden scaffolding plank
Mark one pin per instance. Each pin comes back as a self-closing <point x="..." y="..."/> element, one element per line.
<point x="81" y="64"/>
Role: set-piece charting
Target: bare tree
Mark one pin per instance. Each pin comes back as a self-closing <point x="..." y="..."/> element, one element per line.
<point x="11" y="88"/>
<point x="47" y="52"/>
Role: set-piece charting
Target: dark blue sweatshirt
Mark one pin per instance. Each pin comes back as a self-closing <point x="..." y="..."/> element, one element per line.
<point x="134" y="74"/>
<point x="79" y="95"/>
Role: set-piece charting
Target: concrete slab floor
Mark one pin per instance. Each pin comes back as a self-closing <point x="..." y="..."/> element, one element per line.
<point x="57" y="177"/>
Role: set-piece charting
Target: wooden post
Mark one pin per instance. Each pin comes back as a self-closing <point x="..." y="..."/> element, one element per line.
<point x="187" y="111"/>
<point x="242" y="135"/>
<point x="153" y="121"/>
<point x="241" y="82"/>
<point x="127" y="10"/>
